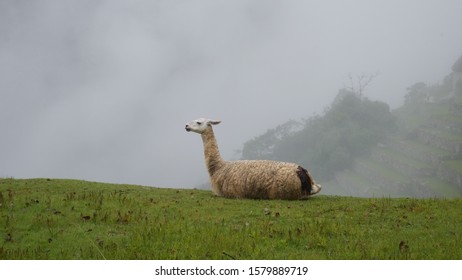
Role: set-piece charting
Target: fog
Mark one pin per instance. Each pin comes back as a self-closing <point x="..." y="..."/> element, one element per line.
<point x="101" y="90"/>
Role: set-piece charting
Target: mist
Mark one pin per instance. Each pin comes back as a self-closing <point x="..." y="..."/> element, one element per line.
<point x="101" y="90"/>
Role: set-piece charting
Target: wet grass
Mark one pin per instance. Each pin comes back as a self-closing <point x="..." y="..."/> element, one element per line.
<point x="69" y="219"/>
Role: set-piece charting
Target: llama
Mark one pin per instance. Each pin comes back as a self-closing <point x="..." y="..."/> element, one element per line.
<point x="257" y="179"/>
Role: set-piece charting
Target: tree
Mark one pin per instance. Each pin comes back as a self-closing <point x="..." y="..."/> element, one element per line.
<point x="330" y="143"/>
<point x="416" y="94"/>
<point x="362" y="81"/>
<point x="262" y="147"/>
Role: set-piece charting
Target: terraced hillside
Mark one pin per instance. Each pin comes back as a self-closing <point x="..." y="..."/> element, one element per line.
<point x="422" y="159"/>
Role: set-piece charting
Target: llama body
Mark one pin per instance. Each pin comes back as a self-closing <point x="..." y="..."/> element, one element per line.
<point x="258" y="179"/>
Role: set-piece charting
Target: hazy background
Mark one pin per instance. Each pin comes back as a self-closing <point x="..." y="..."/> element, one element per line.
<point x="101" y="90"/>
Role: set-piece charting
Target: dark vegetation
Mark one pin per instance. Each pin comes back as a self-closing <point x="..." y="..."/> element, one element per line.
<point x="328" y="143"/>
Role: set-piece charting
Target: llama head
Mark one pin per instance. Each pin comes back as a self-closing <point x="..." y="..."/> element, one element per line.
<point x="200" y="125"/>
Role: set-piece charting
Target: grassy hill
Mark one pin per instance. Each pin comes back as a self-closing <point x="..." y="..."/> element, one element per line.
<point x="70" y="219"/>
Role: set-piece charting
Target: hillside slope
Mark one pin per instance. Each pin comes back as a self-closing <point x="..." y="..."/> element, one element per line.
<point x="361" y="148"/>
<point x="69" y="219"/>
<point x="423" y="159"/>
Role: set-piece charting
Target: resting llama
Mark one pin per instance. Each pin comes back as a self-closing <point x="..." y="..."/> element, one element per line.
<point x="259" y="179"/>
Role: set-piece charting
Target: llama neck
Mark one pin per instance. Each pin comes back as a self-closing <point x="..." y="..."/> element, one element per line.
<point x="213" y="159"/>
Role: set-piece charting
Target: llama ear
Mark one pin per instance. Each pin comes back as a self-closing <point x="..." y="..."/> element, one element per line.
<point x="214" y="122"/>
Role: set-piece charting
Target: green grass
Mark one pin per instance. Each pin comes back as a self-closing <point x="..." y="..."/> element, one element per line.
<point x="69" y="219"/>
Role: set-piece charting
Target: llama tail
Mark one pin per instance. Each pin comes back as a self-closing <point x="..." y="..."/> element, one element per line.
<point x="309" y="186"/>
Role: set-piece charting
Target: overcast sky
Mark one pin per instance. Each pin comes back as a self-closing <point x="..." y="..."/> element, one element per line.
<point x="101" y="90"/>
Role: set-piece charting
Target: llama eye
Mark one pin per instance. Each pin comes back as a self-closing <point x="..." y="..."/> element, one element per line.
<point x="199" y="123"/>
